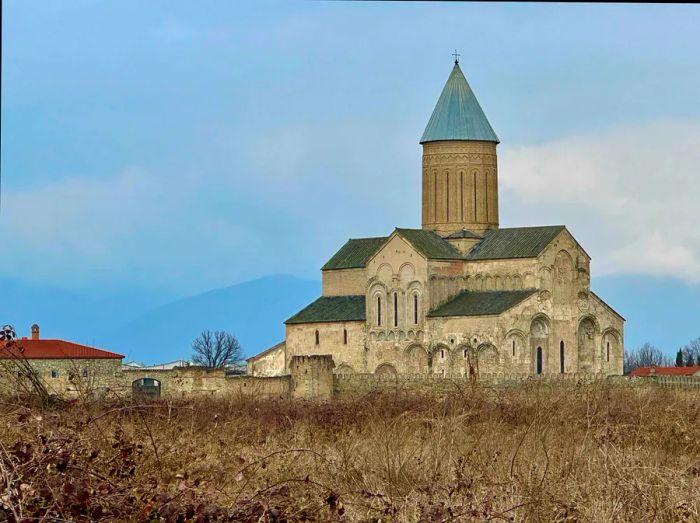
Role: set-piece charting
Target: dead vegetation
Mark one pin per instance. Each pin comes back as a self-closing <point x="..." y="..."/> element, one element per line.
<point x="536" y="453"/>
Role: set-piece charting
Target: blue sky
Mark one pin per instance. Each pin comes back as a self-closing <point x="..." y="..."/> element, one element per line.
<point x="175" y="147"/>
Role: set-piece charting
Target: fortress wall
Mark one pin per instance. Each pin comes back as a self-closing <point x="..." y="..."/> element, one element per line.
<point x="189" y="381"/>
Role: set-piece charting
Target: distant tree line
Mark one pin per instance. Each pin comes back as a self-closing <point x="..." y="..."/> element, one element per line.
<point x="689" y="355"/>
<point x="650" y="356"/>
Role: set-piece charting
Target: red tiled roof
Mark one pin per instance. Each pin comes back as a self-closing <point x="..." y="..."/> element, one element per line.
<point x="53" y="350"/>
<point x="642" y="372"/>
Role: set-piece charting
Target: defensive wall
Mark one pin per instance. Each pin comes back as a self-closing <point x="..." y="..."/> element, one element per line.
<point x="313" y="377"/>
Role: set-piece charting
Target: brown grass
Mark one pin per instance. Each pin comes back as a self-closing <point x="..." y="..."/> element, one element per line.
<point x="537" y="453"/>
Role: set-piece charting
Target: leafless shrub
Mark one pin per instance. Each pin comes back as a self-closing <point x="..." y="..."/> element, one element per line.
<point x="541" y="452"/>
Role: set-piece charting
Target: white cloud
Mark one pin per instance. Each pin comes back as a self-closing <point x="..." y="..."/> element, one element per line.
<point x="630" y="195"/>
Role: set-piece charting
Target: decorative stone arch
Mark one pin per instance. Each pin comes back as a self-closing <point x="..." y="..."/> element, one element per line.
<point x="518" y="352"/>
<point x="563" y="273"/>
<point x="441" y="358"/>
<point x="416" y="359"/>
<point x="385" y="369"/>
<point x="586" y="334"/>
<point x="344" y="368"/>
<point x="488" y="359"/>
<point x="540" y="328"/>
<point x="385" y="272"/>
<point x="414" y="297"/>
<point x="407" y="272"/>
<point x="497" y="283"/>
<point x="517" y="282"/>
<point x="507" y="283"/>
<point x="377" y="290"/>
<point x="611" y="349"/>
<point x="479" y="282"/>
<point x="488" y="283"/>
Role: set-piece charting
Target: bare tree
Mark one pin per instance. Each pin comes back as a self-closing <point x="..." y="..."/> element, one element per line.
<point x="691" y="352"/>
<point x="645" y="356"/>
<point x="216" y="349"/>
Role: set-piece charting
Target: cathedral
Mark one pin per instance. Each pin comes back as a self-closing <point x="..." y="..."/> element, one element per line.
<point x="460" y="295"/>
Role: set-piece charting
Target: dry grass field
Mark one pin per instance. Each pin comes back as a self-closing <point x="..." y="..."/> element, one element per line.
<point x="536" y="453"/>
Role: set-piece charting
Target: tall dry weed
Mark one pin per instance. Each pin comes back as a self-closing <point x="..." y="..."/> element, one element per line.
<point x="540" y="452"/>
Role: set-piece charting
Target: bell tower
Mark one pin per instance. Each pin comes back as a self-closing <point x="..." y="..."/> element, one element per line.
<point x="460" y="172"/>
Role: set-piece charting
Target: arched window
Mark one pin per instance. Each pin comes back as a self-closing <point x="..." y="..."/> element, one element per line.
<point x="85" y="372"/>
<point x="396" y="309"/>
<point x="538" y="362"/>
<point x="345" y="336"/>
<point x="442" y="354"/>
<point x="561" y="356"/>
<point x="318" y="340"/>
<point x="379" y="310"/>
<point x="415" y="309"/>
<point x="465" y="353"/>
<point x="513" y="348"/>
<point x="608" y="352"/>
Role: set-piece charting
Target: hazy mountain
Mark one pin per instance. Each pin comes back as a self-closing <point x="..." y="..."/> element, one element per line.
<point x="253" y="311"/>
<point x="69" y="314"/>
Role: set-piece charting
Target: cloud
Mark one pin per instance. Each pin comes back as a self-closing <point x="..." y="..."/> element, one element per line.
<point x="629" y="194"/>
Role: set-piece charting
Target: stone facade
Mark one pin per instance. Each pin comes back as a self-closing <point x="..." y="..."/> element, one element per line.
<point x="62" y="376"/>
<point x="461" y="296"/>
<point x="460" y="186"/>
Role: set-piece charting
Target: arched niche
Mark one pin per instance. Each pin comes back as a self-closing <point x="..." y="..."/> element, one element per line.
<point x="385" y="369"/>
<point x="586" y="336"/>
<point x="441" y="359"/>
<point x="416" y="359"/>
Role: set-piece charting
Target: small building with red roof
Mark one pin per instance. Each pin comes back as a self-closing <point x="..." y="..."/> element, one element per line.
<point x="646" y="372"/>
<point x="63" y="366"/>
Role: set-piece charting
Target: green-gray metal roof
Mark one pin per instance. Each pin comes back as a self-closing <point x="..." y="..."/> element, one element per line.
<point x="330" y="309"/>
<point x="430" y="244"/>
<point x="469" y="303"/>
<point x="354" y="254"/>
<point x="458" y="115"/>
<point x="516" y="242"/>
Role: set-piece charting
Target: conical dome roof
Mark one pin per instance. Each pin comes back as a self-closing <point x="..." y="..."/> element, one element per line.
<point x="458" y="115"/>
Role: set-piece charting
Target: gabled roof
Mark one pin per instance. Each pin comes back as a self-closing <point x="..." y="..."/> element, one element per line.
<point x="642" y="372"/>
<point x="354" y="254"/>
<point x="516" y="242"/>
<point x="331" y="309"/>
<point x="483" y="303"/>
<point x="267" y="351"/>
<point x="54" y="350"/>
<point x="430" y="244"/>
<point x="458" y="115"/>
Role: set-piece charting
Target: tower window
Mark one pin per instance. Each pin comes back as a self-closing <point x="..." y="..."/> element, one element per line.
<point x="54" y="373"/>
<point x="442" y="354"/>
<point x="345" y="336"/>
<point x="608" y="351"/>
<point x="465" y="353"/>
<point x="396" y="309"/>
<point x="513" y="347"/>
<point x="318" y="339"/>
<point x="447" y="200"/>
<point x="85" y="372"/>
<point x="379" y="310"/>
<point x="561" y="356"/>
<point x="415" y="309"/>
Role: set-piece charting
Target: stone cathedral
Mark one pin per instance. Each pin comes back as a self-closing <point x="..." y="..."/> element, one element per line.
<point x="460" y="295"/>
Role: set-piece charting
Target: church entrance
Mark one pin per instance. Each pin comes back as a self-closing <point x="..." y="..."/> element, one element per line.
<point x="539" y="360"/>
